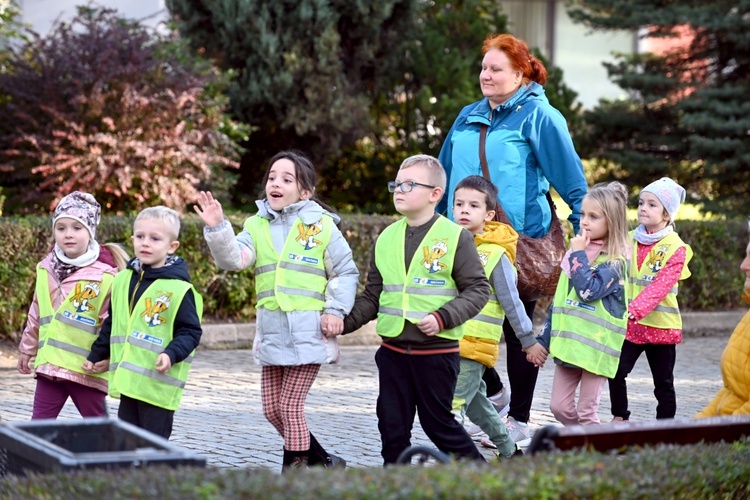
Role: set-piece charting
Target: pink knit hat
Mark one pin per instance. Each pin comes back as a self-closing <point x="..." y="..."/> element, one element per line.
<point x="82" y="207"/>
<point x="670" y="194"/>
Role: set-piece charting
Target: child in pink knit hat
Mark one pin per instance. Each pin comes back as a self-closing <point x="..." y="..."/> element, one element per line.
<point x="654" y="323"/>
<point x="70" y="302"/>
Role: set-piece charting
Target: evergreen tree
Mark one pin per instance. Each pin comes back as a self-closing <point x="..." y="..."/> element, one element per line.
<point x="304" y="68"/>
<point x="435" y="73"/>
<point x="359" y="85"/>
<point x="688" y="116"/>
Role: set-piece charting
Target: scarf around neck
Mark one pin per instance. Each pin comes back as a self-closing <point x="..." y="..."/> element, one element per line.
<point x="65" y="266"/>
<point x="643" y="237"/>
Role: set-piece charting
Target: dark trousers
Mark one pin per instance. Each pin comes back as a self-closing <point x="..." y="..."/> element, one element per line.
<point x="661" y="359"/>
<point x="422" y="384"/>
<point x="146" y="416"/>
<point x="492" y="380"/>
<point x="521" y="374"/>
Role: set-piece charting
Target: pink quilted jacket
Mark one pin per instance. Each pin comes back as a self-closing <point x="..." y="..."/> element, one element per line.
<point x="59" y="291"/>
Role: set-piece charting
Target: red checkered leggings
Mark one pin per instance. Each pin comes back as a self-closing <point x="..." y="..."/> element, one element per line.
<point x="284" y="390"/>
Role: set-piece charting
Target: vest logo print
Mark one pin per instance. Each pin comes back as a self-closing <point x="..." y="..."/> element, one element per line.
<point x="79" y="318"/>
<point x="303" y="258"/>
<point x="428" y="282"/>
<point x="155" y="308"/>
<point x="656" y="258"/>
<point x="146" y="337"/>
<point x="580" y="305"/>
<point x="432" y="256"/>
<point x="83" y="294"/>
<point x="484" y="257"/>
<point x="307" y="234"/>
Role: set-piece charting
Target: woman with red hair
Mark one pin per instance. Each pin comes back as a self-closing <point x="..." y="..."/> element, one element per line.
<point x="528" y="148"/>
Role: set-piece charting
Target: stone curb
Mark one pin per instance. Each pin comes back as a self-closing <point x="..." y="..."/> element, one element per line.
<point x="241" y="335"/>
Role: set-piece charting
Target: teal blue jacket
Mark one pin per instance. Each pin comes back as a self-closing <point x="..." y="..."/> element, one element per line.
<point x="528" y="148"/>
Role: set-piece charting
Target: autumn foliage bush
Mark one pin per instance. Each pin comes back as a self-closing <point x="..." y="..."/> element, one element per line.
<point x="111" y="107"/>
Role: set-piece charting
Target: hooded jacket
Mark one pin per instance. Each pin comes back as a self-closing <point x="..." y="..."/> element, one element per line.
<point x="294" y="337"/>
<point x="59" y="291"/>
<point x="504" y="281"/>
<point x="187" y="325"/>
<point x="528" y="148"/>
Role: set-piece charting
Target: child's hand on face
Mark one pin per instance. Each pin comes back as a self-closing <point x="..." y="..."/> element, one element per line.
<point x="163" y="363"/>
<point x="331" y="325"/>
<point x="429" y="325"/>
<point x="210" y="209"/>
<point x="580" y="241"/>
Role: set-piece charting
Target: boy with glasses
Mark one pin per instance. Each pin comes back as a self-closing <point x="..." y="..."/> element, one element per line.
<point x="425" y="280"/>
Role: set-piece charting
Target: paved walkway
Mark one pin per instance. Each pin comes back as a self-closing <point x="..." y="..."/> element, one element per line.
<point x="221" y="418"/>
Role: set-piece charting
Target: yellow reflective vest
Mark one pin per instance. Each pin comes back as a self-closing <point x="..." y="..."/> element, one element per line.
<point x="296" y="278"/>
<point x="666" y="314"/>
<point x="488" y="324"/>
<point x="413" y="293"/>
<point x="139" y="337"/>
<point x="66" y="335"/>
<point x="585" y="334"/>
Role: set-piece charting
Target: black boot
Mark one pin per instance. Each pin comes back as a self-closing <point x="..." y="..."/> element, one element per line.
<point x="286" y="461"/>
<point x="294" y="460"/>
<point x="319" y="456"/>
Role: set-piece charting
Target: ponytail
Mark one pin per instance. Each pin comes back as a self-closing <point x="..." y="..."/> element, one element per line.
<point x="119" y="255"/>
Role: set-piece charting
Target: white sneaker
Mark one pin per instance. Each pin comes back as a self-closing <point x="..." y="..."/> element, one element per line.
<point x="501" y="401"/>
<point x="518" y="431"/>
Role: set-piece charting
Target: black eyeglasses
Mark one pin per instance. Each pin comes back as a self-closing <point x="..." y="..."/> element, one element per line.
<point x="406" y="186"/>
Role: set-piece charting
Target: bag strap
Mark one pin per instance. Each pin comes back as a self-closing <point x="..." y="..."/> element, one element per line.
<point x="500" y="213"/>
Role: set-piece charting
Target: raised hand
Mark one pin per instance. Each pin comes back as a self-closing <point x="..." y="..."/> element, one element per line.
<point x="209" y="209"/>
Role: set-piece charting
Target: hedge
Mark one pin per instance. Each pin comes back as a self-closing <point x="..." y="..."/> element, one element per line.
<point x="665" y="471"/>
<point x="716" y="283"/>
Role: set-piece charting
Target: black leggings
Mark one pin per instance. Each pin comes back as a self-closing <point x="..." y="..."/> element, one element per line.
<point x="521" y="374"/>
<point x="661" y="359"/>
<point x="492" y="380"/>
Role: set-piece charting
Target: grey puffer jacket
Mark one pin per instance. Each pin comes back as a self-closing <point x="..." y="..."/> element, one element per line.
<point x="291" y="338"/>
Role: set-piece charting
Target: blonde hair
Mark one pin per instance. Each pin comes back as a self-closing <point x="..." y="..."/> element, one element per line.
<point x="163" y="214"/>
<point x="435" y="170"/>
<point x="612" y="198"/>
<point x="119" y="255"/>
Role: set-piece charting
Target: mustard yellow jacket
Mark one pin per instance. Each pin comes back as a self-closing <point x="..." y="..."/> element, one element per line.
<point x="486" y="351"/>
<point x="734" y="397"/>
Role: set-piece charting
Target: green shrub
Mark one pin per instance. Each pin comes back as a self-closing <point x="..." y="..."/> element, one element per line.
<point x="716" y="283"/>
<point x="695" y="471"/>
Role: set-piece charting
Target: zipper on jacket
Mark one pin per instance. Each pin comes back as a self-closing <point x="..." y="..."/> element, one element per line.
<point x="131" y="305"/>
